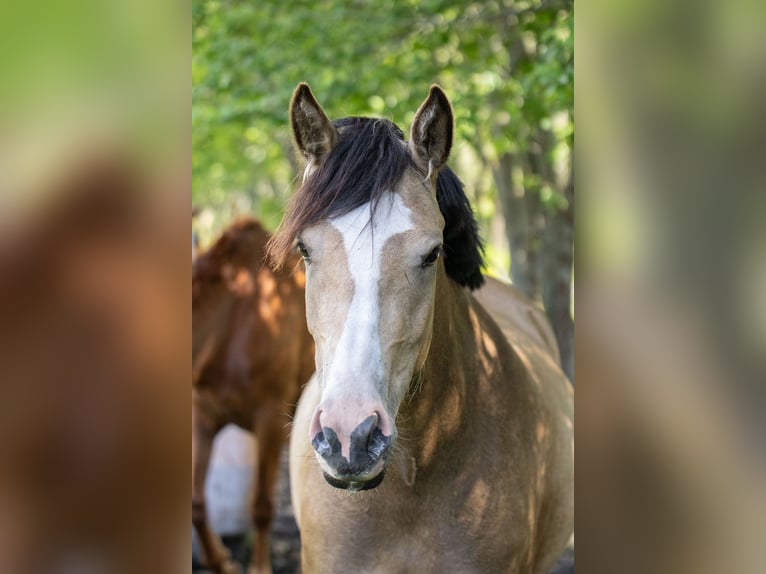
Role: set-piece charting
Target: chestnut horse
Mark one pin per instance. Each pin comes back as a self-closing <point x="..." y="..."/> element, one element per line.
<point x="462" y="407"/>
<point x="251" y="356"/>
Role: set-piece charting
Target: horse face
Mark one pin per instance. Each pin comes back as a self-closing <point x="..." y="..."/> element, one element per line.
<point x="370" y="288"/>
<point x="369" y="303"/>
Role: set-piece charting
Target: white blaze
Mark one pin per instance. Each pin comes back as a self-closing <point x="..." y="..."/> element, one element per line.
<point x="357" y="363"/>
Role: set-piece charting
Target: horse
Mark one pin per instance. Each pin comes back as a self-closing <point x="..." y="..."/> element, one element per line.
<point x="251" y="355"/>
<point x="437" y="432"/>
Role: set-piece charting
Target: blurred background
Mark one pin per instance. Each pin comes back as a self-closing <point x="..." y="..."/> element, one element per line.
<point x="94" y="287"/>
<point x="671" y="339"/>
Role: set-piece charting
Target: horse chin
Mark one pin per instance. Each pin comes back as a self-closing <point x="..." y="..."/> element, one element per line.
<point x="355" y="485"/>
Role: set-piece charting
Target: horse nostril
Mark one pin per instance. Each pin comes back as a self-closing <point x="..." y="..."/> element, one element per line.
<point x="321" y="445"/>
<point x="326" y="443"/>
<point x="367" y="441"/>
<point x="378" y="444"/>
<point x="362" y="434"/>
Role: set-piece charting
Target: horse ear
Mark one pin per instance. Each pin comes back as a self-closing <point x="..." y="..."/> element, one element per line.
<point x="431" y="132"/>
<point x="313" y="131"/>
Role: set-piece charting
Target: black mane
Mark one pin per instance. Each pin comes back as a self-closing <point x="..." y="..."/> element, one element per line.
<point x="369" y="159"/>
<point x="463" y="249"/>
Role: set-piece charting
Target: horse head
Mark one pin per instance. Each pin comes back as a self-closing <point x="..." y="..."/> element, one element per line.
<point x="374" y="233"/>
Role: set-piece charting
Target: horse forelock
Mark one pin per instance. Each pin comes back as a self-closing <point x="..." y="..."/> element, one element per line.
<point x="369" y="159"/>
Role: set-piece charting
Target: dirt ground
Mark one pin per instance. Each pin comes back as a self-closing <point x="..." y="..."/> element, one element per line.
<point x="286" y="542"/>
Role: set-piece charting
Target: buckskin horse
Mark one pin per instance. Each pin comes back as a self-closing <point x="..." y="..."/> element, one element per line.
<point x="437" y="433"/>
<point x="251" y="355"/>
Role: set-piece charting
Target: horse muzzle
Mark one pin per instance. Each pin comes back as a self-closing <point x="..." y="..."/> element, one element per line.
<point x="368" y="451"/>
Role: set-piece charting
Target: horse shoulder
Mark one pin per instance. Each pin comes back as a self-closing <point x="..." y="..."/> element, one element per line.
<point x="547" y="420"/>
<point x="522" y="322"/>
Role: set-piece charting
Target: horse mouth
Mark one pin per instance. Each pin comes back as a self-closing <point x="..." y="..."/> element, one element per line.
<point x="362" y="468"/>
<point x="354" y="485"/>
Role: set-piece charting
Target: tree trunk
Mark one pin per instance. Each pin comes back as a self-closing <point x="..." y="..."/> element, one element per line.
<point x="514" y="206"/>
<point x="536" y="225"/>
<point x="557" y="276"/>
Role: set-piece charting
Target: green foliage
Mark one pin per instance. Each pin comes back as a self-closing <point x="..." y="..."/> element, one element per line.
<point x="507" y="66"/>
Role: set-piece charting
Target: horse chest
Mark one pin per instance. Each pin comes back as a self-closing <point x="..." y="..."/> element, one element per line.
<point x="409" y="533"/>
<point x="405" y="548"/>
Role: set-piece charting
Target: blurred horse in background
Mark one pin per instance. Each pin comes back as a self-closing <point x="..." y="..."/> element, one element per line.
<point x="251" y="355"/>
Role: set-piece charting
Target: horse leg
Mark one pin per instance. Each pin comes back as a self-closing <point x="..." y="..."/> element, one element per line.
<point x="269" y="432"/>
<point x="214" y="553"/>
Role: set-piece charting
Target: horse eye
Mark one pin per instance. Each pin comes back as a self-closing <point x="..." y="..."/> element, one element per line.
<point x="303" y="251"/>
<point x="431" y="258"/>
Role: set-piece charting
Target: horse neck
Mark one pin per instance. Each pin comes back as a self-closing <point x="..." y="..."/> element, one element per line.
<point x="440" y="403"/>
